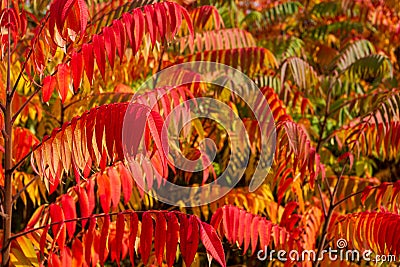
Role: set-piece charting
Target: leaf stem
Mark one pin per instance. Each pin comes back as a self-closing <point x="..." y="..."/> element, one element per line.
<point x="328" y="217"/>
<point x="24" y="105"/>
<point x="82" y="219"/>
<point x="16" y="196"/>
<point x="352" y="195"/>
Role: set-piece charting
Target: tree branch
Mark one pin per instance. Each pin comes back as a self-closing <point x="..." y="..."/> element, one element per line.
<point x="16" y="196"/>
<point x="78" y="220"/>
<point x="329" y="217"/>
<point x="322" y="201"/>
<point x="25" y="104"/>
<point x="352" y="195"/>
<point x="2" y="107"/>
<point x="21" y="161"/>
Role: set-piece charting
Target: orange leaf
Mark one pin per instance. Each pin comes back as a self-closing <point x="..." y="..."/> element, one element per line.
<point x="172" y="238"/>
<point x="104" y="239"/>
<point x="77" y="70"/>
<point x="189" y="238"/>
<point x="146" y="237"/>
<point x="160" y="234"/>
<point x="120" y="227"/>
<point x="49" y="83"/>
<point x="115" y="187"/>
<point x="68" y="206"/>
<point x="104" y="192"/>
<point x="63" y="80"/>
<point x="99" y="50"/>
<point x="133" y="225"/>
<point x="212" y="243"/>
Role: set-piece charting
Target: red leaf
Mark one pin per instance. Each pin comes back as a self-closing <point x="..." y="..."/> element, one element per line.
<point x="54" y="260"/>
<point x="160" y="234"/>
<point x="66" y="9"/>
<point x="90" y="195"/>
<point x="286" y="215"/>
<point x="129" y="25"/>
<point x="109" y="42"/>
<point x="241" y="229"/>
<point x="172" y="238"/>
<point x="366" y="193"/>
<point x="120" y="227"/>
<point x="120" y="39"/>
<point x="83" y="204"/>
<point x="212" y="243"/>
<point x="265" y="233"/>
<point x="109" y="131"/>
<point x="66" y="257"/>
<point x="115" y="187"/>
<point x="90" y="121"/>
<point x="189" y="238"/>
<point x="236" y="219"/>
<point x="188" y="21"/>
<point x="155" y="123"/>
<point x="68" y="206"/>
<point x="49" y="83"/>
<point x="87" y="51"/>
<point x="77" y="70"/>
<point x="133" y="226"/>
<point x="126" y="182"/>
<point x="103" y="184"/>
<point x="43" y="240"/>
<point x="283" y="186"/>
<point x="276" y="234"/>
<point x="216" y="219"/>
<point x="57" y="215"/>
<point x="254" y="234"/>
<point x="146" y="237"/>
<point x="104" y="239"/>
<point x="83" y="15"/>
<point x="63" y="80"/>
<point x="345" y="156"/>
<point x="247" y="231"/>
<point x="99" y="129"/>
<point x="135" y="115"/>
<point x="139" y="28"/>
<point x="77" y="251"/>
<point x="89" y="240"/>
<point x="151" y="26"/>
<point x="99" y="50"/>
<point x="175" y="18"/>
<point x="228" y="223"/>
<point x="161" y="19"/>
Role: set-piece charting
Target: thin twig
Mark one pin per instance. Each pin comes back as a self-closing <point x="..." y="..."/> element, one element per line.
<point x="21" y="161"/>
<point x="78" y="220"/>
<point x="24" y="188"/>
<point x="329" y="216"/>
<point x="326" y="116"/>
<point x="352" y="195"/>
<point x="338" y="182"/>
<point x="328" y="187"/>
<point x="25" y="104"/>
<point x="322" y="201"/>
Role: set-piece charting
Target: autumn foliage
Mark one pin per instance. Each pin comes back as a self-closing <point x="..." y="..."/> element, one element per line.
<point x="70" y="76"/>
